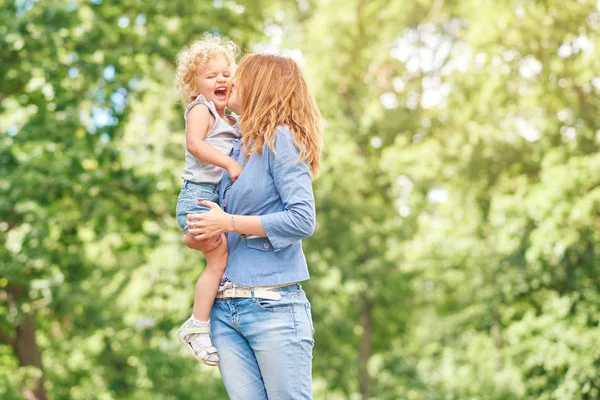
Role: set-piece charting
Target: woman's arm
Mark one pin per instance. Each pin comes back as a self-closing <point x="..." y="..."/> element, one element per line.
<point x="204" y="226"/>
<point x="293" y="183"/>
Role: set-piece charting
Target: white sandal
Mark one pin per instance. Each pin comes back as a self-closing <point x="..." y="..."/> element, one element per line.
<point x="205" y="354"/>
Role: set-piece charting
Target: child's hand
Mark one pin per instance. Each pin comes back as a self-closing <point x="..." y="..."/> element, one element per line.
<point x="234" y="170"/>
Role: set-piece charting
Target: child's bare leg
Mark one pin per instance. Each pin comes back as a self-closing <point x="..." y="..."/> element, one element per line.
<point x="195" y="332"/>
<point x="208" y="283"/>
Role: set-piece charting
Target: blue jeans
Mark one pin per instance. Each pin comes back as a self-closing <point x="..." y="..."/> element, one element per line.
<point x="265" y="346"/>
<point x="187" y="203"/>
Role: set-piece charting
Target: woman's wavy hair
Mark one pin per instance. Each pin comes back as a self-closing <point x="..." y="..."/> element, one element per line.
<point x="194" y="57"/>
<point x="273" y="93"/>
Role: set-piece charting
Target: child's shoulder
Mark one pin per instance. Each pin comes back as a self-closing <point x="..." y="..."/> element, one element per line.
<point x="200" y="100"/>
<point x="197" y="110"/>
<point x="202" y="106"/>
<point x="199" y="117"/>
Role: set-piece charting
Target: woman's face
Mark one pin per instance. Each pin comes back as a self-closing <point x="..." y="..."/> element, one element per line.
<point x="235" y="99"/>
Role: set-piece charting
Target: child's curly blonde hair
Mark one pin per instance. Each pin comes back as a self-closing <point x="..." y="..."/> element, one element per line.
<point x="195" y="56"/>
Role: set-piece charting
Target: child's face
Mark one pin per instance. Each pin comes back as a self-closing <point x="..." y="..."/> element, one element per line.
<point x="215" y="81"/>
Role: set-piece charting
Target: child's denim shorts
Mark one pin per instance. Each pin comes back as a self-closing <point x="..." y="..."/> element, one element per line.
<point x="187" y="203"/>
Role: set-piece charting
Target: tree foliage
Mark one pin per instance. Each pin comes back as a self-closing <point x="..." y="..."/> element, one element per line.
<point x="458" y="206"/>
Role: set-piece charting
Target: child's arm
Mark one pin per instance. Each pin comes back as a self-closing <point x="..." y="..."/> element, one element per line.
<point x="198" y="124"/>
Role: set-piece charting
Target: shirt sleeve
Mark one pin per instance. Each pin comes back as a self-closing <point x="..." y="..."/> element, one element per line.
<point x="293" y="184"/>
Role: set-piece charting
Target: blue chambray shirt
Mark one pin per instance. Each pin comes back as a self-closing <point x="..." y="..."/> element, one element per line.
<point x="279" y="189"/>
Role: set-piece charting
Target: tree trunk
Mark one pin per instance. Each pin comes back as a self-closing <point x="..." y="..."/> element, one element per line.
<point x="366" y="322"/>
<point x="496" y="334"/>
<point x="26" y="348"/>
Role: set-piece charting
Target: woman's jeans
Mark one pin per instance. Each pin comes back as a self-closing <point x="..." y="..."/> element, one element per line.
<point x="265" y="346"/>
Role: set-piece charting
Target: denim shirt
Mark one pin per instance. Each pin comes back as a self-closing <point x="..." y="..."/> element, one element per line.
<point x="278" y="188"/>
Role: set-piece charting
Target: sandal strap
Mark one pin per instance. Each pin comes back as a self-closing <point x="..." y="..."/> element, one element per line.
<point x="206" y="352"/>
<point x="197" y="330"/>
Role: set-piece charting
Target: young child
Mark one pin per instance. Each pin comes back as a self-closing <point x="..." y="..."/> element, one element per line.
<point x="204" y="72"/>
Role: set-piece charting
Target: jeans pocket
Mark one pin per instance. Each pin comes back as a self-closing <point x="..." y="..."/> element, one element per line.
<point x="309" y="315"/>
<point x="280" y="305"/>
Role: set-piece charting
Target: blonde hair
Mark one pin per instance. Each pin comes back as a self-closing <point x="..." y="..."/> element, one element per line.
<point x="194" y="57"/>
<point x="275" y="93"/>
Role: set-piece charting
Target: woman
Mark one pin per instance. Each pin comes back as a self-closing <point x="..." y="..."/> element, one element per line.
<point x="262" y="327"/>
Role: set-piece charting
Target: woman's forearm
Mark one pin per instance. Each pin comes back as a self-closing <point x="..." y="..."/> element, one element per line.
<point x="246" y="224"/>
<point x="216" y="222"/>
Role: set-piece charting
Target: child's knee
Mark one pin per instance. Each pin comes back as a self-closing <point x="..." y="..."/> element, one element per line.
<point x="217" y="264"/>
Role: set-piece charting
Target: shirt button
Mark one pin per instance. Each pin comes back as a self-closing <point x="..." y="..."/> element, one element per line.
<point x="267" y="245"/>
<point x="224" y="203"/>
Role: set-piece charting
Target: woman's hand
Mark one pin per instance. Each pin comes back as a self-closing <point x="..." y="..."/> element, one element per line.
<point x="210" y="224"/>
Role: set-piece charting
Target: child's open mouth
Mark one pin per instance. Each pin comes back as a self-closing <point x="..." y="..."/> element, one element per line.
<point x="221" y="93"/>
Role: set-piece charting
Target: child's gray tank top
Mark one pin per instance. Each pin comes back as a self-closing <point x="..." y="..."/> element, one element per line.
<point x="221" y="137"/>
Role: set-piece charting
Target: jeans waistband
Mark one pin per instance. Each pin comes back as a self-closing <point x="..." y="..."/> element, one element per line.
<point x="275" y="288"/>
<point x="187" y="183"/>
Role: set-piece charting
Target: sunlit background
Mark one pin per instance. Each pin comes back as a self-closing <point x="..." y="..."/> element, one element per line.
<point x="457" y="248"/>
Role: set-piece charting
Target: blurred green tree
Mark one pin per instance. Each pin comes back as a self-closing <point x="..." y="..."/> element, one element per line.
<point x="459" y="211"/>
<point x="79" y="204"/>
<point x="458" y="207"/>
